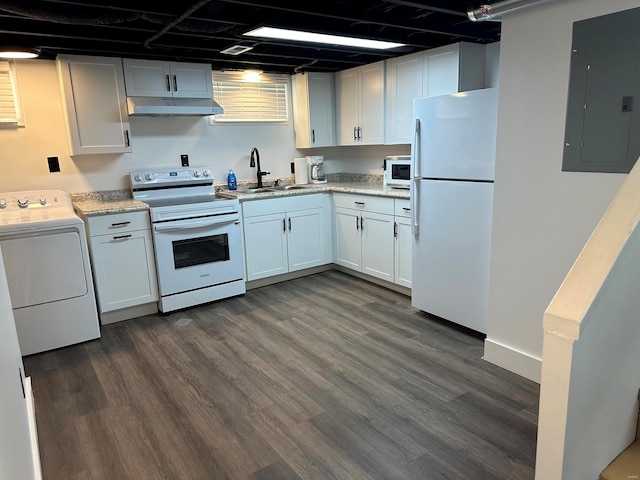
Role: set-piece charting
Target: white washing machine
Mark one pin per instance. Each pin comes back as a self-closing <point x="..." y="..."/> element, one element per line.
<point x="46" y="256"/>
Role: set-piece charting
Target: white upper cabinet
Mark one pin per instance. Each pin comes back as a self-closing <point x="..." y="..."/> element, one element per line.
<point x="95" y="104"/>
<point x="439" y="71"/>
<point x="314" y="109"/>
<point x="405" y="81"/>
<point x="155" y="78"/>
<point x="360" y="95"/>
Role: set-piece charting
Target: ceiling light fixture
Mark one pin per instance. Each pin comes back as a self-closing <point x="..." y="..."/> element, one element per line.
<point x="19" y="52"/>
<point x="299" y="36"/>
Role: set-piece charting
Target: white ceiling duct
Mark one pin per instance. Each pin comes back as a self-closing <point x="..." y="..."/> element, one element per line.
<point x="494" y="11"/>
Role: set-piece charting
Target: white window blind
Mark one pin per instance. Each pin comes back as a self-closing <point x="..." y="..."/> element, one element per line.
<point x="9" y="111"/>
<point x="249" y="99"/>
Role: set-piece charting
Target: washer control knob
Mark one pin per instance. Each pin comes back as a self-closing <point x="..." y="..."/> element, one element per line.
<point x="3" y="203"/>
<point x="43" y="201"/>
<point x="196" y="173"/>
<point x="23" y="202"/>
<point x="137" y="178"/>
<point x="206" y="173"/>
<point x="148" y="176"/>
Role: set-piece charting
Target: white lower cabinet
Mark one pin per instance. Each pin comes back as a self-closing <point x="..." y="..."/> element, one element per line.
<point x="365" y="234"/>
<point x="285" y="234"/>
<point x="124" y="269"/>
<point x="402" y="248"/>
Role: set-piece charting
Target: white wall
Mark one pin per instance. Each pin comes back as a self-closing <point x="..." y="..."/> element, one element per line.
<point x="156" y="141"/>
<point x="590" y="376"/>
<point x="542" y="216"/>
<point x="16" y="460"/>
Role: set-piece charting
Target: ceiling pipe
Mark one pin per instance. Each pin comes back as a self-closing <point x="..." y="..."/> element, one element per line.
<point x="490" y="12"/>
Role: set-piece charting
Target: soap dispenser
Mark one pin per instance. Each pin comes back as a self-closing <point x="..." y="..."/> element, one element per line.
<point x="232" y="183"/>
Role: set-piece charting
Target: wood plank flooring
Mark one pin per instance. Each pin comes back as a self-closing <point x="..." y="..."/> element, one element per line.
<point x="323" y="377"/>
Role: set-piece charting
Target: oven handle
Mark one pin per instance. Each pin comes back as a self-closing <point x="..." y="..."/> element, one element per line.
<point x="190" y="224"/>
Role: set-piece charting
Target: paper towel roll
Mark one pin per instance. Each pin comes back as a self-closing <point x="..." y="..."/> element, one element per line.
<point x="301" y="171"/>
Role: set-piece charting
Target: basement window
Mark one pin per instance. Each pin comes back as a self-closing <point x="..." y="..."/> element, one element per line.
<point x="251" y="97"/>
<point x="10" y="111"/>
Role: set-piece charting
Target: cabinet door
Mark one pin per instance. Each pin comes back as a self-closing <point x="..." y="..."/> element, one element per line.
<point x="147" y="78"/>
<point x="191" y="80"/>
<point x="402" y="252"/>
<point x="404" y="83"/>
<point x="348" y="246"/>
<point x="125" y="270"/>
<point x="313" y="109"/>
<point x="305" y="230"/>
<point x="443" y="71"/>
<point x="377" y="245"/>
<point x="95" y="103"/>
<point x="265" y="245"/>
<point x="347" y="102"/>
<point x="371" y="104"/>
<point x="321" y="109"/>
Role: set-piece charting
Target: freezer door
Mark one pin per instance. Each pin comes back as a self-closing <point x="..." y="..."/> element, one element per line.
<point x="450" y="254"/>
<point x="457" y="135"/>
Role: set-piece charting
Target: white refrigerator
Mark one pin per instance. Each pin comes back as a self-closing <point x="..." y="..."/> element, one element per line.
<point x="453" y="163"/>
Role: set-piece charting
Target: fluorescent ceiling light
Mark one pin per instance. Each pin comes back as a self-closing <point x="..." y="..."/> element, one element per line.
<point x="298" y="36"/>
<point x="19" y="52"/>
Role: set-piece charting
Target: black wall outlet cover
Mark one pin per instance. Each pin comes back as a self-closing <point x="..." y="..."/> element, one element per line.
<point x="54" y="164"/>
<point x="185" y="160"/>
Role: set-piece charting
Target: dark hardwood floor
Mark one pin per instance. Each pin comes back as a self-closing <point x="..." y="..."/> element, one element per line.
<point x="323" y="377"/>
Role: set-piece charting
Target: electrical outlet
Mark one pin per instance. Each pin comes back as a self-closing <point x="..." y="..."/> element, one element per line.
<point x="184" y="158"/>
<point x="54" y="164"/>
<point x="293" y="167"/>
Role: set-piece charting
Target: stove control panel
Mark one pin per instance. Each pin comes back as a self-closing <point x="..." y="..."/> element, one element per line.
<point x="150" y="178"/>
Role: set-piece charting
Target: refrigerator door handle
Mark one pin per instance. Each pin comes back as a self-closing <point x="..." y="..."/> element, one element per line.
<point x="415" y="178"/>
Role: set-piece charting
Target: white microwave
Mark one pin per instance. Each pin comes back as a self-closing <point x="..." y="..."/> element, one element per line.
<point x="397" y="171"/>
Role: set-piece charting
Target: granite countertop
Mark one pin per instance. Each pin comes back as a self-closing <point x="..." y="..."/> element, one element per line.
<point x="362" y="188"/>
<point x="106" y="203"/>
<point x="120" y="201"/>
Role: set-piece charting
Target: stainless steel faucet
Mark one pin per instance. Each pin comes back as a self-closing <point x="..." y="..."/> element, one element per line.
<point x="255" y="157"/>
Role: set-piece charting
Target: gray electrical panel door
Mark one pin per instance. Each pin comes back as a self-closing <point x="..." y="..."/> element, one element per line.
<point x="602" y="132"/>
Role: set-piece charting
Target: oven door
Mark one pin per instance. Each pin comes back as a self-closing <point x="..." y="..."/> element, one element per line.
<point x="197" y="253"/>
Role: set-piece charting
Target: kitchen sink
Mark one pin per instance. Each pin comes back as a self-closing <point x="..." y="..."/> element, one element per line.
<point x="279" y="188"/>
<point x="259" y="190"/>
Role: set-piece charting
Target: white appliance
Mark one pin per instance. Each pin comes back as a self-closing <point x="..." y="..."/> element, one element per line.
<point x="397" y="171"/>
<point x="316" y="169"/>
<point x="453" y="162"/>
<point x="197" y="236"/>
<point x="46" y="258"/>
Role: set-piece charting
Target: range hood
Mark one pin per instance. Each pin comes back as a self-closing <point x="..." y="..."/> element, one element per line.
<point x="152" y="106"/>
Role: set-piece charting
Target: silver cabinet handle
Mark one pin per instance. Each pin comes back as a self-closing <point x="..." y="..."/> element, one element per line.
<point x="289" y="223"/>
<point x="313" y="136"/>
<point x="120" y="224"/>
<point x="355" y="129"/>
<point x="359" y="133"/>
<point x="127" y="142"/>
<point x="359" y="203"/>
<point x="357" y="224"/>
<point x="284" y="225"/>
<point x="121" y="237"/>
<point x="166" y="78"/>
<point x="395" y="229"/>
<point x="175" y="83"/>
<point x="361" y="223"/>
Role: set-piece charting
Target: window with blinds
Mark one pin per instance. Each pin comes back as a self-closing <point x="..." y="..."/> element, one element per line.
<point x="251" y="98"/>
<point x="9" y="107"/>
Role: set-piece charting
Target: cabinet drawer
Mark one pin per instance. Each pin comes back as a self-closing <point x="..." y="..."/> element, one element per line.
<point x="367" y="203"/>
<point x="119" y="222"/>
<point x="402" y="207"/>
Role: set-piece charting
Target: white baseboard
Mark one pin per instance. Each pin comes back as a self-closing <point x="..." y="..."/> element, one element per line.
<point x="515" y="361"/>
